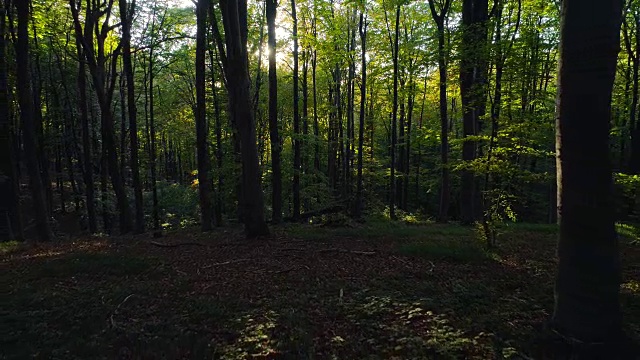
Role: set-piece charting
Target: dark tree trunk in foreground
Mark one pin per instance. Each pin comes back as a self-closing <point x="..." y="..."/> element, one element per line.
<point x="27" y="116"/>
<point x="276" y="171"/>
<point x="10" y="222"/>
<point x="204" y="163"/>
<point x="126" y="17"/>
<point x="587" y="288"/>
<point x="473" y="70"/>
<point x="234" y="16"/>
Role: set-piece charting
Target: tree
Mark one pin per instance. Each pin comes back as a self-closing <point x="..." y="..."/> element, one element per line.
<point x="439" y="18"/>
<point x="363" y="97"/>
<point x="276" y="171"/>
<point x="202" y="129"/>
<point x="587" y="303"/>
<point x="392" y="190"/>
<point x="10" y="222"/>
<point x="296" y="117"/>
<point x="94" y="50"/>
<point x="236" y="66"/>
<point x="25" y="99"/>
<point x="473" y="70"/>
<point x="126" y="18"/>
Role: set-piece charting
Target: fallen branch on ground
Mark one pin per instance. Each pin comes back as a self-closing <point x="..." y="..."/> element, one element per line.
<point x="367" y="253"/>
<point x="115" y="312"/>
<point x="225" y="263"/>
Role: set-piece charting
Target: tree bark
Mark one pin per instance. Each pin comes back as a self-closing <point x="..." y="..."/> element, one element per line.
<point x="25" y="99"/>
<point x="473" y="93"/>
<point x="439" y="17"/>
<point x="202" y="129"/>
<point x="10" y="221"/>
<point x="392" y="189"/>
<point x="234" y="16"/>
<point x="276" y="171"/>
<point x="296" y="117"/>
<point x="126" y="17"/>
<point x="587" y="303"/>
<point x="363" y="97"/>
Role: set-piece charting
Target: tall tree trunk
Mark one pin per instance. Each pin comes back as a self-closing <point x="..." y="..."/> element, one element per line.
<point x="472" y="90"/>
<point x="363" y="97"/>
<point x="234" y="16"/>
<point x="152" y="145"/>
<point x="86" y="143"/>
<point x="587" y="304"/>
<point x="392" y="189"/>
<point x="25" y="97"/>
<point x="202" y="129"/>
<point x="316" y="128"/>
<point x="218" y="131"/>
<point x="296" y="117"/>
<point x="37" y="81"/>
<point x="276" y="171"/>
<point x="126" y="17"/>
<point x="10" y="222"/>
<point x="439" y="18"/>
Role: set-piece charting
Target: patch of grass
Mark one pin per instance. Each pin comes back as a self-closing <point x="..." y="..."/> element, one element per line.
<point x="9" y="247"/>
<point x="376" y="228"/>
<point x="458" y="250"/>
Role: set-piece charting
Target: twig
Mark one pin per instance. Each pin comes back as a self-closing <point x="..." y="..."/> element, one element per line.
<point x="113" y="322"/>
<point x="163" y="245"/>
<point x="225" y="263"/>
<point x="291" y="269"/>
<point x="367" y="253"/>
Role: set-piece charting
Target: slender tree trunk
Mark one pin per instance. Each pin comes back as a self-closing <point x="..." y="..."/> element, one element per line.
<point x="296" y="118"/>
<point x="86" y="143"/>
<point x="316" y="127"/>
<point x="218" y="131"/>
<point x="392" y="190"/>
<point x="363" y="97"/>
<point x="25" y="97"/>
<point x="276" y="171"/>
<point x="439" y="19"/>
<point x="152" y="146"/>
<point x="126" y="17"/>
<point x="587" y="304"/>
<point x="202" y="129"/>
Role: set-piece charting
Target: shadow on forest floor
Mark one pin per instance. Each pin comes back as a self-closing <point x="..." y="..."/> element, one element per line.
<point x="377" y="291"/>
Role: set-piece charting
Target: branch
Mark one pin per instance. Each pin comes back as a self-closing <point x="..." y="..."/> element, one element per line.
<point x="163" y="245"/>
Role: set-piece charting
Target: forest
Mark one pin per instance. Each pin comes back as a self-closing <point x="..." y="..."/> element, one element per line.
<point x="320" y="179"/>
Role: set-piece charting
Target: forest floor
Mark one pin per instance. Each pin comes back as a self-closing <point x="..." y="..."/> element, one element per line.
<point x="368" y="291"/>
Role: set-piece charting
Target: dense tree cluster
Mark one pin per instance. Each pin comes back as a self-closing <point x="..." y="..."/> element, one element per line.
<point x="441" y="108"/>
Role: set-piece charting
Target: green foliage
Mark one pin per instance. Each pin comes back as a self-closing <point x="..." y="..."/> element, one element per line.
<point x="178" y="204"/>
<point x="9" y="246"/>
